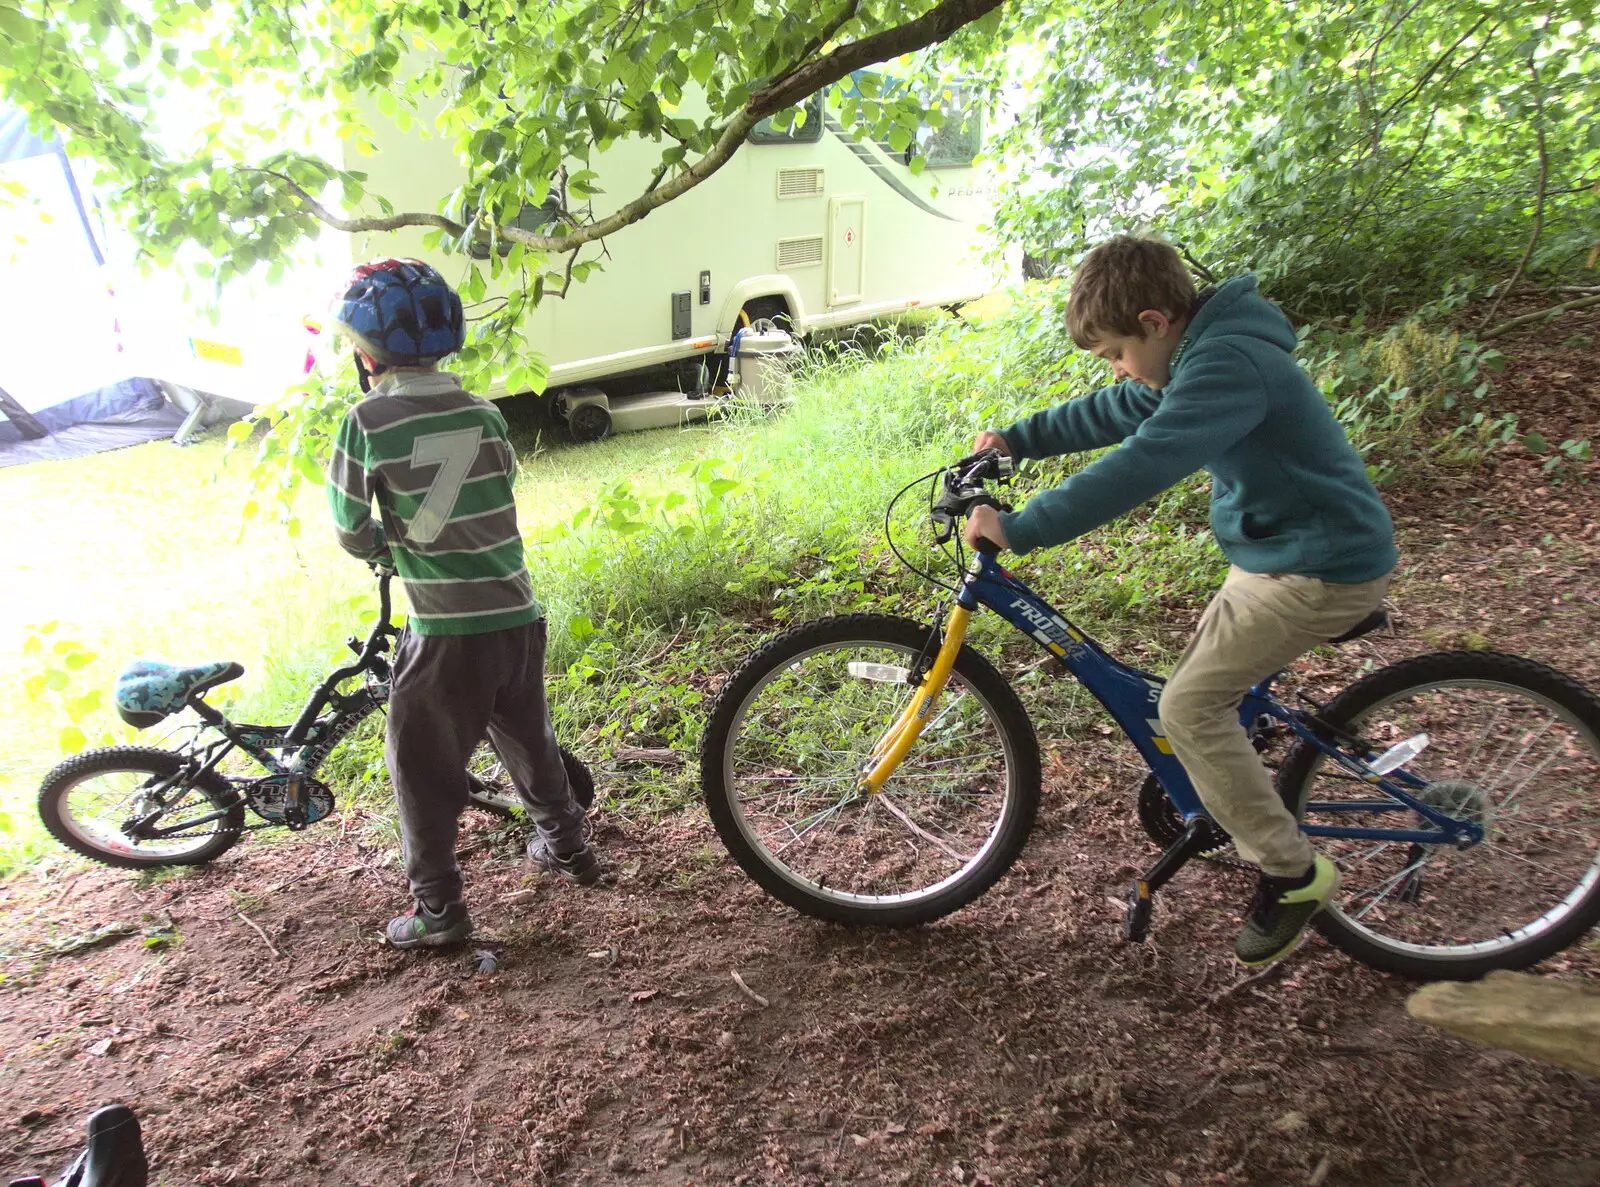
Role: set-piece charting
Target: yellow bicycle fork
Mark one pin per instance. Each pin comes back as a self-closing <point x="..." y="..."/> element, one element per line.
<point x="891" y="749"/>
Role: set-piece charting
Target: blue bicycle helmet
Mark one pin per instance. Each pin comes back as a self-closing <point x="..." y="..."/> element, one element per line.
<point x="402" y="313"/>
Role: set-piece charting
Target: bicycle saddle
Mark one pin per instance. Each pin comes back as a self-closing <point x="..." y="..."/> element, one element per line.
<point x="1377" y="620"/>
<point x="149" y="689"/>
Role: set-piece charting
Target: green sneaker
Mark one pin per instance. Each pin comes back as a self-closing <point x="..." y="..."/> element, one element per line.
<point x="422" y="928"/>
<point x="1280" y="911"/>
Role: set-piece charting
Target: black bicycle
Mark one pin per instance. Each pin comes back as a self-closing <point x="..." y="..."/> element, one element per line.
<point x="140" y="807"/>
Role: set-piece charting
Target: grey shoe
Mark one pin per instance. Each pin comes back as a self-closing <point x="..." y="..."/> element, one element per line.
<point x="580" y="866"/>
<point x="422" y="928"/>
<point x="1280" y="911"/>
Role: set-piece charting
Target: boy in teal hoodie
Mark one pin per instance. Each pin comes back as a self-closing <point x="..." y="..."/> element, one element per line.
<point x="1208" y="382"/>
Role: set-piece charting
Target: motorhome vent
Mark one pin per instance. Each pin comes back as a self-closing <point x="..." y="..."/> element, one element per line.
<point x="800" y="253"/>
<point x="799" y="183"/>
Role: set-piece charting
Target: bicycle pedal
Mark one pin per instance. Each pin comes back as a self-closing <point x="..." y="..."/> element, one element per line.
<point x="1136" y="922"/>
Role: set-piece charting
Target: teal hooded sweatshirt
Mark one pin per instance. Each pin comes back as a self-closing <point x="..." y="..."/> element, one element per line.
<point x="1289" y="494"/>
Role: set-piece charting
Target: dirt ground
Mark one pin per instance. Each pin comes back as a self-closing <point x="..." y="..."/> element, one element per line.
<point x="1018" y="1042"/>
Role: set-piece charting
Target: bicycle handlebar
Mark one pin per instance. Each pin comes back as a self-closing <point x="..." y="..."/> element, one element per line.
<point x="380" y="630"/>
<point x="964" y="489"/>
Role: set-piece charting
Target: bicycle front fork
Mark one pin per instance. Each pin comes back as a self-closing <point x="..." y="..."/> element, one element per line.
<point x="892" y="748"/>
<point x="1198" y="836"/>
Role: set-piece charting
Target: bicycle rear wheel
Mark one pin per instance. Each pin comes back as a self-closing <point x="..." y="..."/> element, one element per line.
<point x="1513" y="745"/>
<point x="87" y="801"/>
<point x="789" y="736"/>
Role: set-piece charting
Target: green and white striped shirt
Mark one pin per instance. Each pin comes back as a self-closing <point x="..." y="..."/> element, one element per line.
<point x="438" y="463"/>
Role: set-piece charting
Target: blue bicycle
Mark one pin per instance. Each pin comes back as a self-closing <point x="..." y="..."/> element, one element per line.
<point x="869" y="768"/>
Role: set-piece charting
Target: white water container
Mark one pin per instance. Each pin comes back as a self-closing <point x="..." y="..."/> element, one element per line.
<point x="1399" y="754"/>
<point x="763" y="356"/>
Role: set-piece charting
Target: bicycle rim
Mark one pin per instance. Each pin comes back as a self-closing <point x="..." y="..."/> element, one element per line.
<point x="96" y="805"/>
<point x="1524" y="766"/>
<point x="797" y="746"/>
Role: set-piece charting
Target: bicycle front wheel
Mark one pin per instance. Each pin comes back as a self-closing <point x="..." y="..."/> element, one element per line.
<point x="489" y="784"/>
<point x="1512" y="745"/>
<point x="790" y="735"/>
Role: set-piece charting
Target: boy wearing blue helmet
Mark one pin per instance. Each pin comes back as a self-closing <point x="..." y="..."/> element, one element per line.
<point x="438" y="464"/>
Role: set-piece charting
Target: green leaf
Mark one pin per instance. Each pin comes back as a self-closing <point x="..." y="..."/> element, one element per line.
<point x="18" y="28"/>
<point x="79" y="707"/>
<point x="702" y="63"/>
<point x="1535" y="443"/>
<point x="72" y="739"/>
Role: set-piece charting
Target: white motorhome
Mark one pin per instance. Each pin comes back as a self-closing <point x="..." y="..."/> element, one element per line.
<point x="805" y="226"/>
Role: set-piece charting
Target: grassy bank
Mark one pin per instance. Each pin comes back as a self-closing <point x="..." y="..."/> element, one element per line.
<point x="662" y="556"/>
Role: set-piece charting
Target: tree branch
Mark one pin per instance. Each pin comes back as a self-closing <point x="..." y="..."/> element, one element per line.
<point x="355" y="226"/>
<point x="1428" y="74"/>
<point x="1541" y="315"/>
<point x="787" y="89"/>
<point x="846" y="14"/>
<point x="1538" y="209"/>
<point x="931" y="27"/>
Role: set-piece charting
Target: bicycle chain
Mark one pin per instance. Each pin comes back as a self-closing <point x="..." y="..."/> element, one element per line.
<point x="1160" y="822"/>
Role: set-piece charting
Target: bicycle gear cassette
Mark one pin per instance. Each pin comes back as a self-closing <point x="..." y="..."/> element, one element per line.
<point x="294" y="800"/>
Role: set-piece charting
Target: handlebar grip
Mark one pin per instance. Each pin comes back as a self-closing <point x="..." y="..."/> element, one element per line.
<point x="987" y="546"/>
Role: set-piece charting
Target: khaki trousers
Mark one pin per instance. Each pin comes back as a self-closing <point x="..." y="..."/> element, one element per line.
<point x="1257" y="624"/>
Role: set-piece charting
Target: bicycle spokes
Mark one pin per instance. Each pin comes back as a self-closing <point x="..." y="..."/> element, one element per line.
<point x="813" y="732"/>
<point x="1500" y="757"/>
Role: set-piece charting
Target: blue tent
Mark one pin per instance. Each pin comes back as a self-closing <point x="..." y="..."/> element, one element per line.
<point x="55" y="402"/>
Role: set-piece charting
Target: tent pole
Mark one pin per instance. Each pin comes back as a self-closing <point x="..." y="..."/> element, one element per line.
<point x="27" y="424"/>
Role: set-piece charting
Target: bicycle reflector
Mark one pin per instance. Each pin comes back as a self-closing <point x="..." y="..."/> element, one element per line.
<point x="882" y="673"/>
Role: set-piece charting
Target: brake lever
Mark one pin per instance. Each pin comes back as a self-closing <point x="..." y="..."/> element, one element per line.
<point x="985" y="464"/>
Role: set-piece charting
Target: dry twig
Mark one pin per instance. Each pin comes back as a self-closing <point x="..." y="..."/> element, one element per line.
<point x="260" y="933"/>
<point x="466" y="1120"/>
<point x="748" y="992"/>
<point x="1267" y="974"/>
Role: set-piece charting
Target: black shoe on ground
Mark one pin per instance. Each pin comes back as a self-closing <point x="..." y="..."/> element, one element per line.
<point x="580" y="866"/>
<point x="1280" y="911"/>
<point x="424" y="928"/>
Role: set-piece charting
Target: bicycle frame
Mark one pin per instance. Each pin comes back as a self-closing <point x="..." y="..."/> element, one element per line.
<point x="1132" y="697"/>
<point x="310" y="738"/>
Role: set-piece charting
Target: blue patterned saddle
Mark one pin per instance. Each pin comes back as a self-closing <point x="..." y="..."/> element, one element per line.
<point x="149" y="690"/>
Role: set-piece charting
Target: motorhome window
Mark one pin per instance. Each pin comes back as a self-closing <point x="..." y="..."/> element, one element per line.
<point x="958" y="140"/>
<point x="529" y="218"/>
<point x="802" y="124"/>
<point x="953" y="144"/>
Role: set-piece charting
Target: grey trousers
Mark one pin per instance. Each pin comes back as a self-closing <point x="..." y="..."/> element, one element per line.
<point x="449" y="692"/>
<point x="1257" y="624"/>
